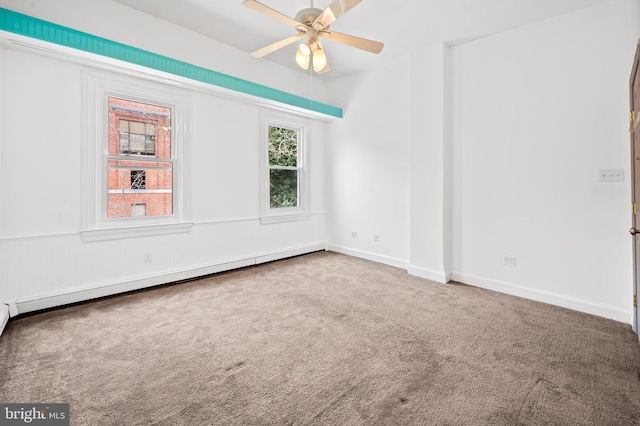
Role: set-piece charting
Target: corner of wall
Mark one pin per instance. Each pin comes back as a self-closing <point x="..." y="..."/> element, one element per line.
<point x="430" y="198"/>
<point x="437" y="276"/>
<point x="4" y="317"/>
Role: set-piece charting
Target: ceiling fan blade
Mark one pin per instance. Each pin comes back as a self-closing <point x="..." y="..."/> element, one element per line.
<point x="277" y="45"/>
<point x="353" y="41"/>
<point x="336" y="9"/>
<point x="272" y="13"/>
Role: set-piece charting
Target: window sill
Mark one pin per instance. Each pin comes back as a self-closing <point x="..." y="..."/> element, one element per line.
<point x="285" y="217"/>
<point x="90" y="236"/>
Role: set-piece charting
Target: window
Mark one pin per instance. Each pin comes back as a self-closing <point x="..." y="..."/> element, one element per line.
<point x="138" y="179"/>
<point x="133" y="157"/>
<point x="138" y="209"/>
<point x="137" y="137"/>
<point x="284" y="187"/>
<point x="283" y="168"/>
<point x="140" y="162"/>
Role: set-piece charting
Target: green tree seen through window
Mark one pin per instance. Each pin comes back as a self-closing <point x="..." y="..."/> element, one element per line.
<point x="283" y="167"/>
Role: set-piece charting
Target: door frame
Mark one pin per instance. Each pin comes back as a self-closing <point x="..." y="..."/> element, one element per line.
<point x="634" y="115"/>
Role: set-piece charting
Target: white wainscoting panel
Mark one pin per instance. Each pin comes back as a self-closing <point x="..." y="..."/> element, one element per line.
<point x="74" y="295"/>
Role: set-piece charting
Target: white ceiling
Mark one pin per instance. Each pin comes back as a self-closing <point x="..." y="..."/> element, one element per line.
<point x="399" y="24"/>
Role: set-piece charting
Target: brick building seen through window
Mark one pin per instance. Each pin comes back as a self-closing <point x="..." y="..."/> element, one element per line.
<point x="140" y="162"/>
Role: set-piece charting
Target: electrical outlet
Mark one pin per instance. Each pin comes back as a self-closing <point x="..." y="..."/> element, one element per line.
<point x="611" y="175"/>
<point x="510" y="261"/>
<point x="375" y="237"/>
<point x="147" y="258"/>
<point x="354" y="234"/>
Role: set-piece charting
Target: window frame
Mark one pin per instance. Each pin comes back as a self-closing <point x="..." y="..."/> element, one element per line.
<point x="99" y="87"/>
<point x="283" y="214"/>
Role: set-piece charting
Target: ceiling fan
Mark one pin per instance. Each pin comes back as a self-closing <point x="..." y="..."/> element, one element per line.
<point x="313" y="24"/>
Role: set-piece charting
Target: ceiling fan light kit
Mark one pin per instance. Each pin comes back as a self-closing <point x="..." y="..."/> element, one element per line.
<point x="312" y="23"/>
<point x="302" y="58"/>
<point x="319" y="60"/>
<point x="304" y="49"/>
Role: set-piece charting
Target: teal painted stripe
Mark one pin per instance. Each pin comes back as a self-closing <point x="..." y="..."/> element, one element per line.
<point x="42" y="30"/>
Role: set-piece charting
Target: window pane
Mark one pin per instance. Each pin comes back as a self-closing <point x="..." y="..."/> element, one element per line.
<point x="133" y="183"/>
<point x="138" y="179"/>
<point x="283" y="188"/>
<point x="283" y="147"/>
<point x="138" y="210"/>
<point x="137" y="143"/>
<point x="137" y="128"/>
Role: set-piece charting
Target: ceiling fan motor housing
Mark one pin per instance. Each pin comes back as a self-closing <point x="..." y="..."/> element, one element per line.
<point x="311" y="24"/>
<point x="308" y="16"/>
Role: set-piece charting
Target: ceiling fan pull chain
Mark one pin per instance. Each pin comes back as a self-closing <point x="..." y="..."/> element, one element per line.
<point x="311" y="87"/>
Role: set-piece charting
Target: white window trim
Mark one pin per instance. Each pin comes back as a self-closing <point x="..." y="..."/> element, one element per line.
<point x="99" y="86"/>
<point x="287" y="214"/>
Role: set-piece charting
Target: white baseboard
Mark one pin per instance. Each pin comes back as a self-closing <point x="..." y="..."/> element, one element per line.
<point x="4" y="316"/>
<point x="270" y="257"/>
<point x="590" y="307"/>
<point x="391" y="261"/>
<point x="81" y="294"/>
<point x="439" y="277"/>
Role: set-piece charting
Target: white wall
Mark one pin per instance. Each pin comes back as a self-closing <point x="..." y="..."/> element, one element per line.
<point x="537" y="111"/>
<point x="114" y="21"/>
<point x="42" y="253"/>
<point x="368" y="157"/>
<point x="509" y="159"/>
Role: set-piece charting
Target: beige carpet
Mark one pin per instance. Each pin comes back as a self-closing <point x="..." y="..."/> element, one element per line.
<point x="323" y="339"/>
